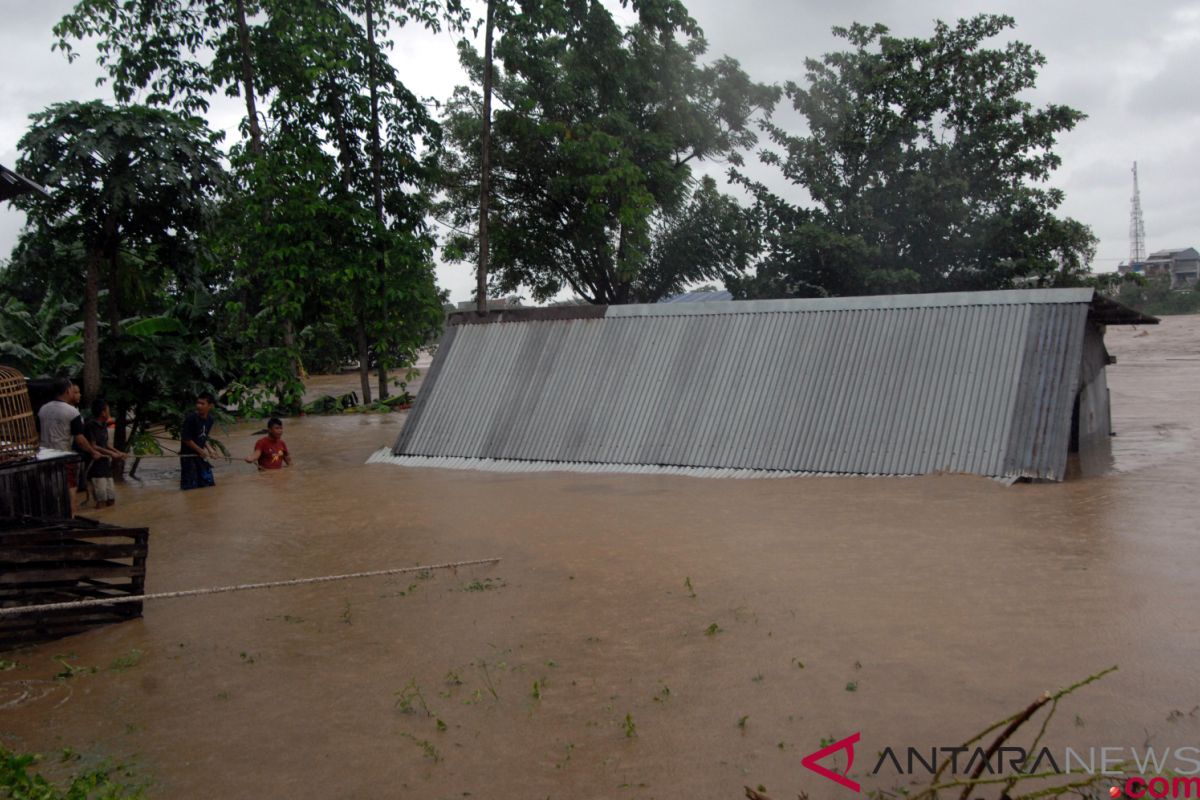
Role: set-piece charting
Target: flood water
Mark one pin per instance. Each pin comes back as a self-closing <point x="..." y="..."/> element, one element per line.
<point x="914" y="611"/>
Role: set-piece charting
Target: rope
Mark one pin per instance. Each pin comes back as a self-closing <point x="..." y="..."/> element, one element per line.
<point x="181" y="455"/>
<point x="241" y="587"/>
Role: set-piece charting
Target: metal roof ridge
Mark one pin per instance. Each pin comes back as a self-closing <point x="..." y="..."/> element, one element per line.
<point x="865" y="302"/>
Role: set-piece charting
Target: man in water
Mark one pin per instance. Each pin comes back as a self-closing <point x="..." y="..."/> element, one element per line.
<point x="270" y="452"/>
<point x="194" y="452"/>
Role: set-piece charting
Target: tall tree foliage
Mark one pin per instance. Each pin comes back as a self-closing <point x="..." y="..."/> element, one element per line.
<point x="592" y="145"/>
<point x="927" y="169"/>
<point x="123" y="180"/>
<point x="330" y="81"/>
<point x="327" y="223"/>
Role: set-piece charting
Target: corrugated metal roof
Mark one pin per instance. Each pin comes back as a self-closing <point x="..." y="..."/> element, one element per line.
<point x="969" y="382"/>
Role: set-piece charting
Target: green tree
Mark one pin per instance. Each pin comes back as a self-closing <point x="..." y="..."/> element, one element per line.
<point x="121" y="179"/>
<point x="333" y="87"/>
<point x="926" y="167"/>
<point x="592" y="145"/>
<point x="41" y="342"/>
<point x="314" y="78"/>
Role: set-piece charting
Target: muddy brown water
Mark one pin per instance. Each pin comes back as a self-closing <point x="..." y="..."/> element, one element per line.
<point x="945" y="602"/>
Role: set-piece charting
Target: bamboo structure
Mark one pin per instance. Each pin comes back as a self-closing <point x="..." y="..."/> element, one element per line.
<point x="18" y="434"/>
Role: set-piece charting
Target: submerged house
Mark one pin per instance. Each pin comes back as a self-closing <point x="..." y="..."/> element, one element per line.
<point x="1004" y="384"/>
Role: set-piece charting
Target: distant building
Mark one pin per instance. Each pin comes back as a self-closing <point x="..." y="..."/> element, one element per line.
<point x="1182" y="265"/>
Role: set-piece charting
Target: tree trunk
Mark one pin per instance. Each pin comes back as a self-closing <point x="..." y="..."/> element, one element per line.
<point x="114" y="297"/>
<point x="114" y="334"/>
<point x="91" y="328"/>
<point x="377" y="190"/>
<point x="364" y="359"/>
<point x="120" y="440"/>
<point x="247" y="64"/>
<point x="485" y="165"/>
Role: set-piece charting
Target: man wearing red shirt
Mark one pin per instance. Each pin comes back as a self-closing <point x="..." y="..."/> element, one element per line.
<point x="270" y="452"/>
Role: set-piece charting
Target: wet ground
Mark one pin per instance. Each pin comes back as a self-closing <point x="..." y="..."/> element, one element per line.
<point x="643" y="636"/>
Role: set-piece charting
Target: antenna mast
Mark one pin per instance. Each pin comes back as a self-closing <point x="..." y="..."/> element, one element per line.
<point x="1137" y="225"/>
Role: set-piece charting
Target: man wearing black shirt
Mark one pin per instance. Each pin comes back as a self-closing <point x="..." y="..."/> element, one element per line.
<point x="194" y="470"/>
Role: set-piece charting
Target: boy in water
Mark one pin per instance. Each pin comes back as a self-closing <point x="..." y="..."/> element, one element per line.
<point x="271" y="452"/>
<point x="99" y="470"/>
<point x="194" y="470"/>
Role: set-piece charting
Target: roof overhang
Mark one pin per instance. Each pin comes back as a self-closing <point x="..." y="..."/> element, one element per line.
<point x="13" y="185"/>
<point x="1106" y="311"/>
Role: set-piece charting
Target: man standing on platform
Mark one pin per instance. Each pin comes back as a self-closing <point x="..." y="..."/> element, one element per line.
<point x="62" y="429"/>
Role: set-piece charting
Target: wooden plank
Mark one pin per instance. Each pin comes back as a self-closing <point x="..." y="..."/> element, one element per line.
<point x="68" y="590"/>
<point x="52" y="536"/>
<point x="71" y="572"/>
<point x="74" y="552"/>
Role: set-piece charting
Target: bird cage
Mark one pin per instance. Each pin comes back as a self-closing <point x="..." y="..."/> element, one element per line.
<point x="18" y="434"/>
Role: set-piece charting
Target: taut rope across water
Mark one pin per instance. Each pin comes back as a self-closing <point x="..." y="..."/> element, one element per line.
<point x="241" y="587"/>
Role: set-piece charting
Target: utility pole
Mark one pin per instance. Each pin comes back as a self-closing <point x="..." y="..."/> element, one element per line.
<point x="485" y="165"/>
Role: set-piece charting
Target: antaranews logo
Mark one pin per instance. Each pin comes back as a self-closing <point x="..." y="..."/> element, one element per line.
<point x="846" y="744"/>
<point x="1136" y="772"/>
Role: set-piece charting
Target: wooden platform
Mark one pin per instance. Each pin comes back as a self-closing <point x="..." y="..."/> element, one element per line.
<point x="37" y="487"/>
<point x="55" y="560"/>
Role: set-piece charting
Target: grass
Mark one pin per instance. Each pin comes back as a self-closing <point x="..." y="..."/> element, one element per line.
<point x="629" y="727"/>
<point x="852" y="686"/>
<point x="687" y="583"/>
<point x="127" y="661"/>
<point x="19" y="780"/>
<point x="712" y="630"/>
<point x="487" y="677"/>
<point x="431" y="752"/>
<point x="487" y="584"/>
<point x="408" y="698"/>
<point x="70" y="670"/>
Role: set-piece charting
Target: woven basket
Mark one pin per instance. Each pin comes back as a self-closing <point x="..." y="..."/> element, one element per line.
<point x="18" y="433"/>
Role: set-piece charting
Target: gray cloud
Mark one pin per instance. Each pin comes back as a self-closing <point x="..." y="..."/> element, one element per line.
<point x="1128" y="70"/>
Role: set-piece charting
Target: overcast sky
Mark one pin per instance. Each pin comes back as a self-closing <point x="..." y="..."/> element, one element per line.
<point x="1132" y="70"/>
